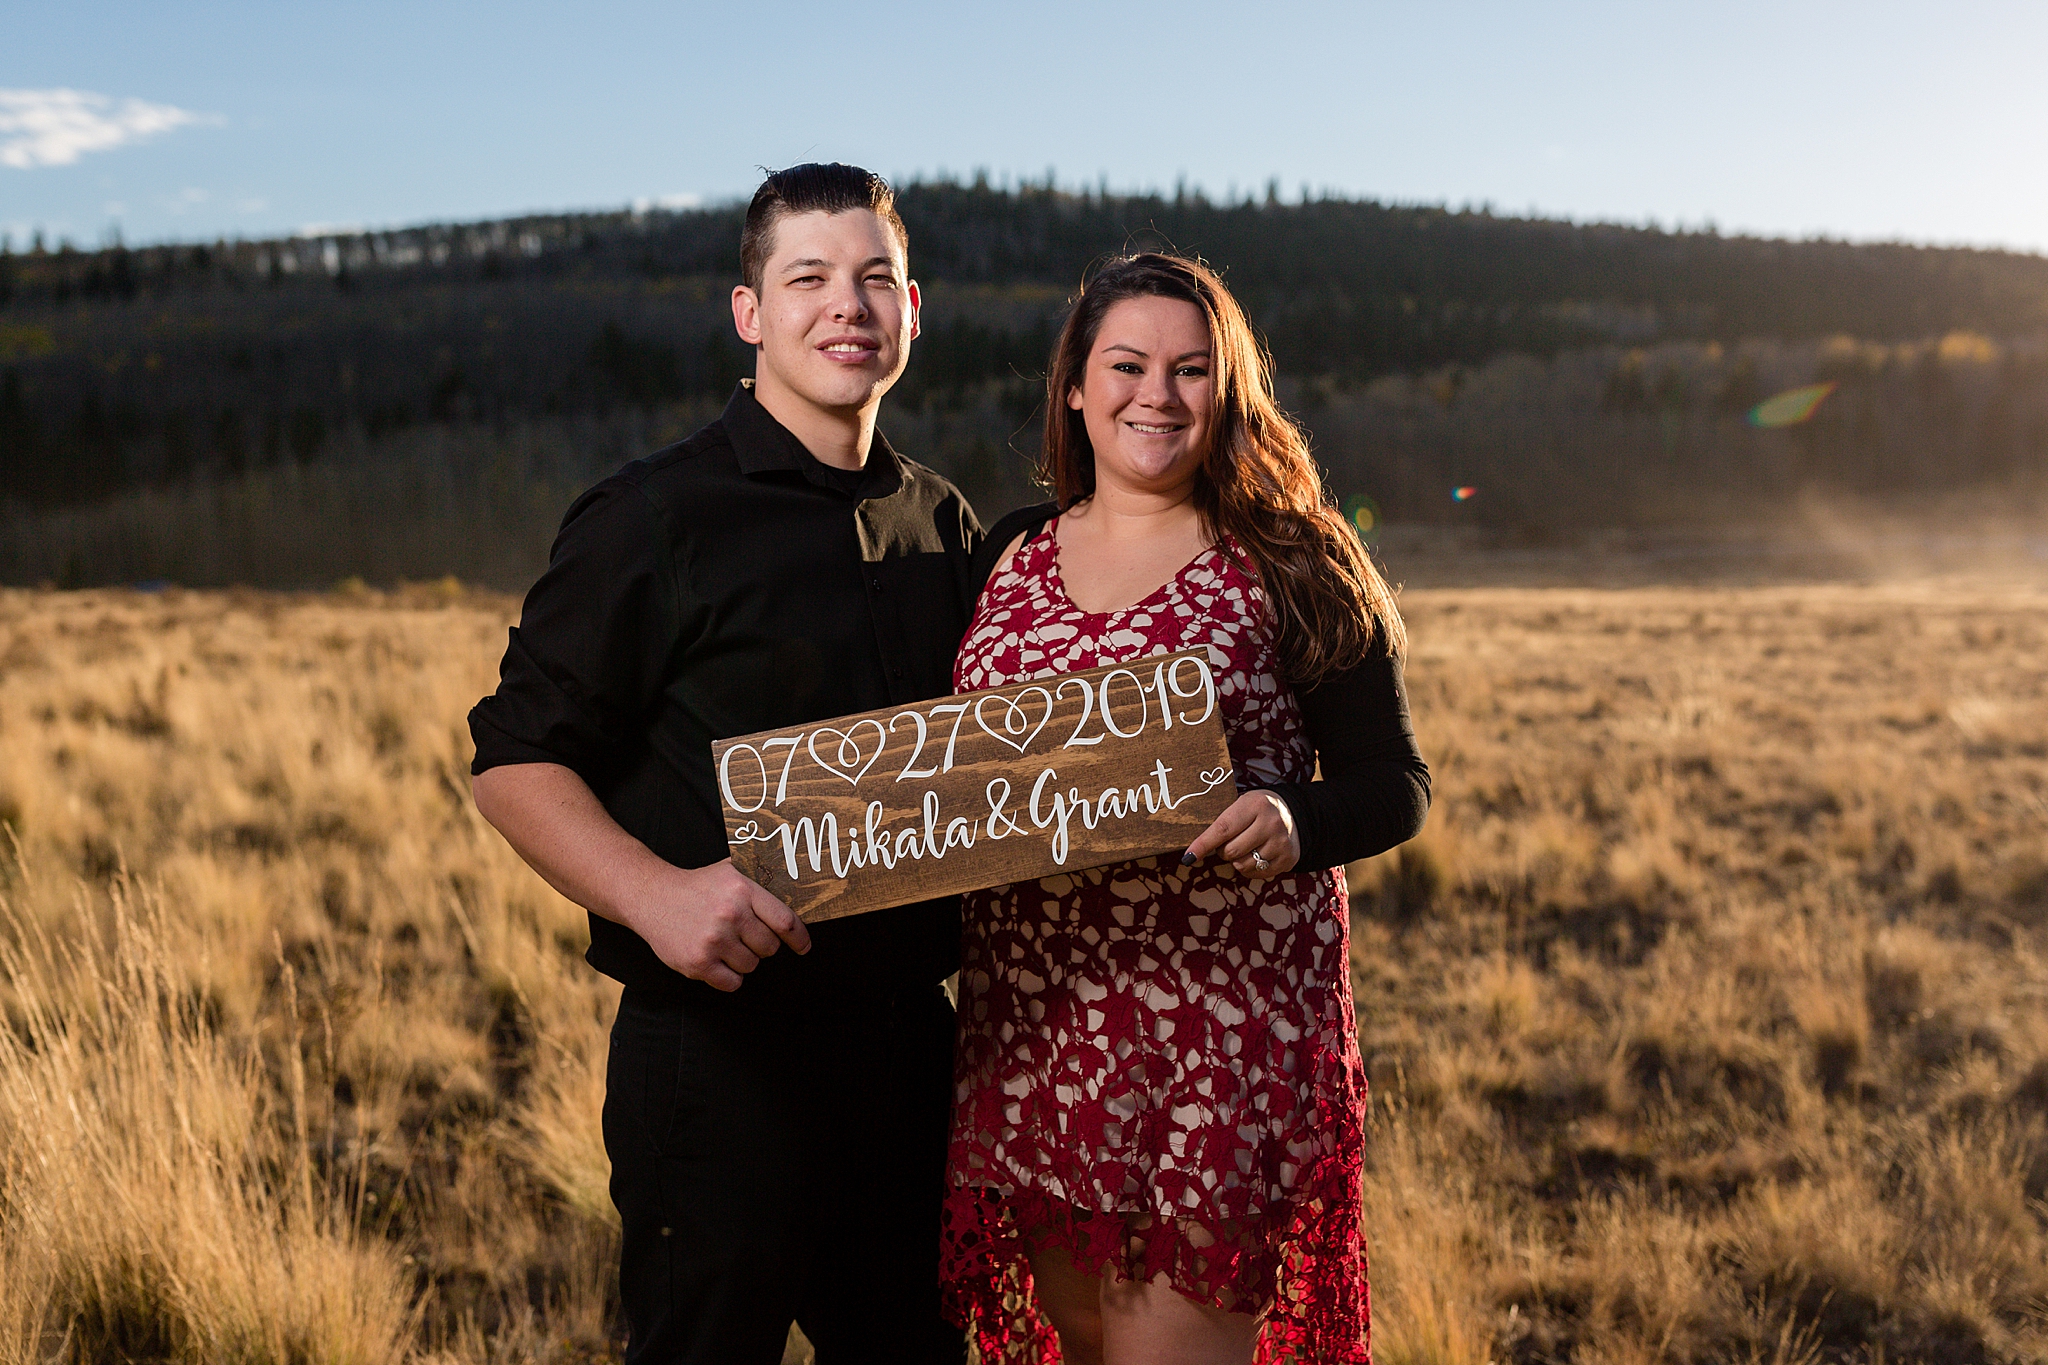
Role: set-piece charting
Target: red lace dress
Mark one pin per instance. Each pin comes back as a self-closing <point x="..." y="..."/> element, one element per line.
<point x="1144" y="1039"/>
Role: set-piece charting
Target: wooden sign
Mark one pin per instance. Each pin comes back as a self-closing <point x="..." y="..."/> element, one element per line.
<point x="1012" y="784"/>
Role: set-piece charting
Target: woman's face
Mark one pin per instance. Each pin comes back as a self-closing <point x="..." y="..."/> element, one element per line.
<point x="1145" y="395"/>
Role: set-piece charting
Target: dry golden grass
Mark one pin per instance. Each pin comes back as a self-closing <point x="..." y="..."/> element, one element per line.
<point x="1704" y="1020"/>
<point x="1705" y="1017"/>
<point x="302" y="1059"/>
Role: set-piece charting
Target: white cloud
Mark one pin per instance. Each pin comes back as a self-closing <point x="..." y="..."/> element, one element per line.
<point x="672" y="202"/>
<point x="56" y="127"/>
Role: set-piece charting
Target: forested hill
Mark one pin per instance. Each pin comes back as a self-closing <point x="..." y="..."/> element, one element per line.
<point x="175" y="366"/>
<point x="1361" y="287"/>
<point x="1340" y="286"/>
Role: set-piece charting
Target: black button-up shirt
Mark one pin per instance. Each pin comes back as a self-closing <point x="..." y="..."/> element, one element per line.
<point x="728" y="584"/>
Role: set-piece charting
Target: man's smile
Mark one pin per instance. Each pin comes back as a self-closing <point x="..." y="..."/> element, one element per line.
<point x="850" y="349"/>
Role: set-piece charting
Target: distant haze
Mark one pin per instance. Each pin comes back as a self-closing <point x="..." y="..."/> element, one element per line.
<point x="1873" y="121"/>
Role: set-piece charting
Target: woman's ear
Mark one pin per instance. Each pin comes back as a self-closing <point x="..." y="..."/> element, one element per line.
<point x="1074" y="398"/>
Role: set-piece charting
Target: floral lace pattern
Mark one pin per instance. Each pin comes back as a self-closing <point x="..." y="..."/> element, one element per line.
<point x="1158" y="1066"/>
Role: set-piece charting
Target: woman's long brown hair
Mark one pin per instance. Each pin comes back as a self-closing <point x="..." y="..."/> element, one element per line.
<point x="1258" y="484"/>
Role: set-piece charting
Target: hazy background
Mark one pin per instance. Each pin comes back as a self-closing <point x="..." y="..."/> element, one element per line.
<point x="289" y="296"/>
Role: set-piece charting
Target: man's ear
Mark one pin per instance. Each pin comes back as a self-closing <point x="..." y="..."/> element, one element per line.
<point x="746" y="314"/>
<point x="916" y="310"/>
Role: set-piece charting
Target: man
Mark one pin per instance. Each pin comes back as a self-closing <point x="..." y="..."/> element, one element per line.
<point x="776" y="1099"/>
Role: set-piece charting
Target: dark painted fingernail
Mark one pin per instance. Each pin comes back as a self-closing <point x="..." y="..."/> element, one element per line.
<point x="1187" y="859"/>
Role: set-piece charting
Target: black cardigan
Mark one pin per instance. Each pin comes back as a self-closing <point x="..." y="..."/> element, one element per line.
<point x="1374" y="790"/>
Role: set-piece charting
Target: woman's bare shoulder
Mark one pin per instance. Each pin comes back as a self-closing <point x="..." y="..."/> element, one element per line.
<point x="1009" y="553"/>
<point x="1010" y="533"/>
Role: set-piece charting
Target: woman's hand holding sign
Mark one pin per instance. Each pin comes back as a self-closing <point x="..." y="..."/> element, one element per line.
<point x="1256" y="834"/>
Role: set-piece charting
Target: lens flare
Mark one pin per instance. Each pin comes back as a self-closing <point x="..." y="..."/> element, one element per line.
<point x="1464" y="492"/>
<point x="1791" y="407"/>
<point x="1363" y="514"/>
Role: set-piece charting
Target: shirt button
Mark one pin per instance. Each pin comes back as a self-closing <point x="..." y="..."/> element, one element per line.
<point x="875" y="583"/>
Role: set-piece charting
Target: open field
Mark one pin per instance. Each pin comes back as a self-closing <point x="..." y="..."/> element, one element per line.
<point x="1705" y="1021"/>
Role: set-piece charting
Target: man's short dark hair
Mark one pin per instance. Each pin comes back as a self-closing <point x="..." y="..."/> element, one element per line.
<point x="814" y="187"/>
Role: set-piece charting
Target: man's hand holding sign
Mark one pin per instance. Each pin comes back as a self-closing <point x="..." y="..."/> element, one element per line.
<point x="901" y="805"/>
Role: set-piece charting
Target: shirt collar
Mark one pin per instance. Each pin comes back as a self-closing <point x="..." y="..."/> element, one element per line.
<point x="763" y="445"/>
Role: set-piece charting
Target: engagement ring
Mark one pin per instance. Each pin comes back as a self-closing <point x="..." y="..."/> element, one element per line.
<point x="1259" y="860"/>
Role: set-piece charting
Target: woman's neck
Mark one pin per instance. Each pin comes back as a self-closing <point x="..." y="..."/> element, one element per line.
<point x="1117" y="549"/>
<point x="1118" y="513"/>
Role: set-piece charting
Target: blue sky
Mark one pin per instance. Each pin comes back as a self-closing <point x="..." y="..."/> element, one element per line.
<point x="1867" y="120"/>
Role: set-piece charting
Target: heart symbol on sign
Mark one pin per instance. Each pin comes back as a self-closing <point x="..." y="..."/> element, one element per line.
<point x="847" y="751"/>
<point x="1015" y="718"/>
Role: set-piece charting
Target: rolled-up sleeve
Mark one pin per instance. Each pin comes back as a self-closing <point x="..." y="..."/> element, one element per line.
<point x="587" y="662"/>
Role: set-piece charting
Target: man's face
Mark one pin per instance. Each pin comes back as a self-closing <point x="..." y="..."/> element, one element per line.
<point x="836" y="312"/>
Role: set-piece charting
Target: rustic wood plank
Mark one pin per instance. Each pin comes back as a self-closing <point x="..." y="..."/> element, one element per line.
<point x="888" y="807"/>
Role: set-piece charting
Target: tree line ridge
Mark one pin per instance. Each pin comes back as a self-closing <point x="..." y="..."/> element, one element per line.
<point x="1532" y="342"/>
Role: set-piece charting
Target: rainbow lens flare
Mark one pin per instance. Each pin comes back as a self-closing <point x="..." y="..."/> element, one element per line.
<point x="1464" y="492"/>
<point x="1363" y="514"/>
<point x="1791" y="407"/>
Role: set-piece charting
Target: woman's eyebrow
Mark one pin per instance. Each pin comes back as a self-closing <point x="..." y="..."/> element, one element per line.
<point x="1184" y="355"/>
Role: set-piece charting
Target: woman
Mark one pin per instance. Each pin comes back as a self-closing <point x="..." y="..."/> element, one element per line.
<point x="1158" y="1098"/>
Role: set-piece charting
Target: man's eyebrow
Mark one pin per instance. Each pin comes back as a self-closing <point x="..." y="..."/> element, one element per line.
<point x="814" y="263"/>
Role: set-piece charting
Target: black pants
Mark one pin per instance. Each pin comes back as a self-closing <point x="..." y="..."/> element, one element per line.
<point x="781" y="1165"/>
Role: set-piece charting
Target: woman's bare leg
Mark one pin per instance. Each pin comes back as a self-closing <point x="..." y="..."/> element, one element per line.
<point x="1070" y="1300"/>
<point x="1102" y="1320"/>
<point x="1155" y="1324"/>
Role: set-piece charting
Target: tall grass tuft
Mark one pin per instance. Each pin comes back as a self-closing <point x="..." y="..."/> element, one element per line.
<point x="157" y="1199"/>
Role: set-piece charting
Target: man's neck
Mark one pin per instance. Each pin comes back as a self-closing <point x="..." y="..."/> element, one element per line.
<point x="840" y="437"/>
